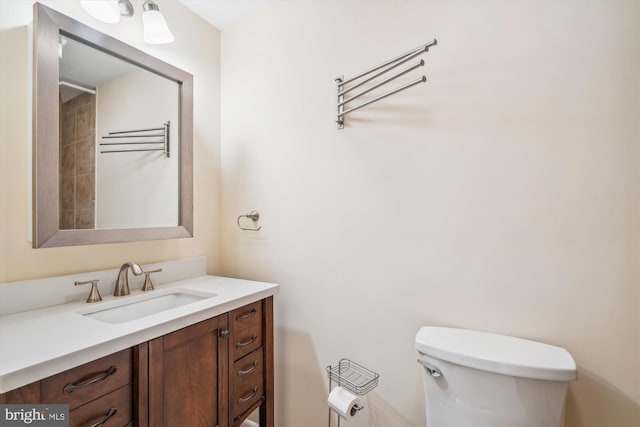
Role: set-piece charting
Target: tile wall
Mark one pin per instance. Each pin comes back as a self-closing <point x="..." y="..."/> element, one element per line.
<point x="77" y="162"/>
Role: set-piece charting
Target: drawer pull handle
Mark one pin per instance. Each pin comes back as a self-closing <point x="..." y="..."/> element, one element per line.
<point x="104" y="419"/>
<point x="246" y="315"/>
<point x="70" y="388"/>
<point x="249" y="396"/>
<point x="248" y="370"/>
<point x="247" y="342"/>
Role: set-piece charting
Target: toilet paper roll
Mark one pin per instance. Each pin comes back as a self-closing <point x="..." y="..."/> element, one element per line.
<point x="345" y="403"/>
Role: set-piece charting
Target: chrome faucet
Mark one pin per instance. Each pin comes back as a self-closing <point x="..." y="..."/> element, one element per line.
<point x="122" y="283"/>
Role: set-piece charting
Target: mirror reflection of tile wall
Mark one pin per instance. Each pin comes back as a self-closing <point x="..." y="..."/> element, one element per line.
<point x="77" y="162"/>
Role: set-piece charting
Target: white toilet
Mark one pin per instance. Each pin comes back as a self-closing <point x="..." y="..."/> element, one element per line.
<point x="480" y="379"/>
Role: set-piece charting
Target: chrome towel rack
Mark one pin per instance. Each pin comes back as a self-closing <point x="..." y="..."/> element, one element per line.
<point x="379" y="71"/>
<point x="148" y="138"/>
<point x="253" y="216"/>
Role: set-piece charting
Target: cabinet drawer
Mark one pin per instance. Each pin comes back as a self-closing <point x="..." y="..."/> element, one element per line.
<point x="246" y="329"/>
<point x="247" y="373"/>
<point x="94" y="379"/>
<point x="247" y="391"/>
<point x="114" y="409"/>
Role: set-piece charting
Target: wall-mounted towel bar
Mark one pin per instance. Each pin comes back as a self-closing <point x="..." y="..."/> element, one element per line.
<point x="384" y="68"/>
<point x="253" y="216"/>
<point x="148" y="138"/>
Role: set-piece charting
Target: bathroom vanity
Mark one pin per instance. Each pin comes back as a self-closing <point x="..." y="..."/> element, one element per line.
<point x="208" y="362"/>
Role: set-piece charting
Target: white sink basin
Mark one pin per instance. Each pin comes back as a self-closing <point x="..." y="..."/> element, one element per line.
<point x="136" y="307"/>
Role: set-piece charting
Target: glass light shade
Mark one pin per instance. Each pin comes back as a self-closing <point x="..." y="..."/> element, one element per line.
<point x="104" y="10"/>
<point x="156" y="30"/>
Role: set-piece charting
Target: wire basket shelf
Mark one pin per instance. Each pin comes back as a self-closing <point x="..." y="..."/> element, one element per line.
<point x="352" y="376"/>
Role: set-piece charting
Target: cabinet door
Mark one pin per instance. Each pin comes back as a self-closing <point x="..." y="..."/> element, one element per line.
<point x="183" y="377"/>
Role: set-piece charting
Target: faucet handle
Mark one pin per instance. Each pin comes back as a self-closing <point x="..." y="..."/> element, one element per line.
<point x="94" y="294"/>
<point x="148" y="285"/>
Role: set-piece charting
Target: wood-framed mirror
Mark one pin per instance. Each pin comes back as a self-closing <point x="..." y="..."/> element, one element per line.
<point x="112" y="139"/>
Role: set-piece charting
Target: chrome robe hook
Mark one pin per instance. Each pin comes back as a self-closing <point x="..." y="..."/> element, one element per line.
<point x="253" y="216"/>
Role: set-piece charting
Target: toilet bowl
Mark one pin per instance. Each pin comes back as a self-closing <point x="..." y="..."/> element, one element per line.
<point x="480" y="379"/>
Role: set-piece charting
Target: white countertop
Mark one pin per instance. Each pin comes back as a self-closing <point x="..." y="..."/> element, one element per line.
<point x="39" y="343"/>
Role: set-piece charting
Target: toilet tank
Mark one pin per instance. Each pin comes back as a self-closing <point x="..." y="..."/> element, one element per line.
<point x="480" y="379"/>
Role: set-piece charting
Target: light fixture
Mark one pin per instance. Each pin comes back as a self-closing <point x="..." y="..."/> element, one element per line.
<point x="155" y="28"/>
<point x="104" y="10"/>
<point x="126" y="8"/>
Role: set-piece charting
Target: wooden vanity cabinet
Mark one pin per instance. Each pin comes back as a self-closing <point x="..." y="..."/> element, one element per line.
<point x="213" y="373"/>
<point x="210" y="374"/>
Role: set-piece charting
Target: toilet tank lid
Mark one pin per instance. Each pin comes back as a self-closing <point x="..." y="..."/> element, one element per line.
<point x="496" y="353"/>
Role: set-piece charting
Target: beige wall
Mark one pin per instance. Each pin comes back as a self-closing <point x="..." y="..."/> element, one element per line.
<point x="503" y="195"/>
<point x="195" y="50"/>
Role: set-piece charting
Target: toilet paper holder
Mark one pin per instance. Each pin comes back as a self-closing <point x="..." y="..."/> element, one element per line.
<point x="356" y="408"/>
<point x="352" y="377"/>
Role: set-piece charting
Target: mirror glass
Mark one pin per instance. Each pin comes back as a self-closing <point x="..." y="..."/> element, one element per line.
<point x="117" y="124"/>
<point x="112" y="138"/>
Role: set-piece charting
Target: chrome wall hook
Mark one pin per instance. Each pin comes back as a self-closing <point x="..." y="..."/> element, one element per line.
<point x="253" y="216"/>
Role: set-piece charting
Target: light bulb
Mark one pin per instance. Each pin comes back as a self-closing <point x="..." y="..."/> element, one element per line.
<point x="156" y="30"/>
<point x="104" y="10"/>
